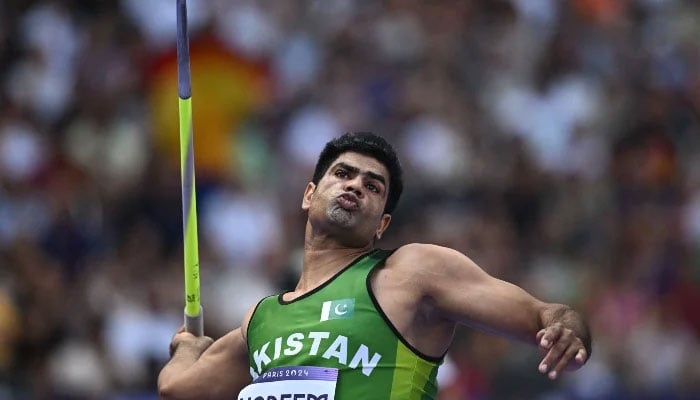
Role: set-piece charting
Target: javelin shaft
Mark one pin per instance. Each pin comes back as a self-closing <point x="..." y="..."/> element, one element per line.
<point x="193" y="308"/>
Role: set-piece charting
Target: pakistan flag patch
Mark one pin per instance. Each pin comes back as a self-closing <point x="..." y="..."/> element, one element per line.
<point x="337" y="309"/>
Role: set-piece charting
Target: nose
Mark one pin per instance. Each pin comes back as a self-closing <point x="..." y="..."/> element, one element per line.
<point x="355" y="186"/>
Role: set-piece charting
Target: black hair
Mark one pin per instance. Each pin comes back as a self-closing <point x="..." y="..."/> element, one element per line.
<point x="368" y="144"/>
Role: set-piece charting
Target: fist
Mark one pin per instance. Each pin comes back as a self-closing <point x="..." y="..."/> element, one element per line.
<point x="564" y="350"/>
<point x="186" y="339"/>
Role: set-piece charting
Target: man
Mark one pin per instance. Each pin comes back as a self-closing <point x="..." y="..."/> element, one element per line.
<point x="365" y="323"/>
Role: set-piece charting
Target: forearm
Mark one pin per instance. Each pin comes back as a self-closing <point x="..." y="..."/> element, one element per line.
<point x="569" y="319"/>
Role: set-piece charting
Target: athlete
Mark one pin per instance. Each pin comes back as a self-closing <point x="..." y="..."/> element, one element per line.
<point x="362" y="322"/>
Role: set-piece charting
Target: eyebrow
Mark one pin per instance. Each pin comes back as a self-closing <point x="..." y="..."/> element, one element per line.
<point x="356" y="170"/>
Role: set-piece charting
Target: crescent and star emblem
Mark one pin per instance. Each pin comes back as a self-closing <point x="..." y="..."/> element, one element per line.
<point x="338" y="308"/>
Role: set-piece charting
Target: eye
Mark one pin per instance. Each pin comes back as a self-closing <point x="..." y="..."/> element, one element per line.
<point x="372" y="187"/>
<point x="341" y="173"/>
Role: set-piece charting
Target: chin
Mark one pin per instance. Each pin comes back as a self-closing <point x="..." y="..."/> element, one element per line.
<point x="341" y="217"/>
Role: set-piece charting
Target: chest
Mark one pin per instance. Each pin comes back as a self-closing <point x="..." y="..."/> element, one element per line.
<point x="324" y="330"/>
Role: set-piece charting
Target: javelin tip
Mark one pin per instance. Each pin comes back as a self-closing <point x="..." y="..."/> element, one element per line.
<point x="184" y="84"/>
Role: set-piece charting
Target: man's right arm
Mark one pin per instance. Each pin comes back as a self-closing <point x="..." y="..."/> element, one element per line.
<point x="200" y="369"/>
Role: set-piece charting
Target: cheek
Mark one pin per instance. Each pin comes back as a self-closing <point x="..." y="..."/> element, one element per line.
<point x="376" y="210"/>
<point x="379" y="203"/>
<point x="321" y="200"/>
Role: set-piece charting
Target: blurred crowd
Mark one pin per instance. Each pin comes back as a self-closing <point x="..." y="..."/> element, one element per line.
<point x="557" y="143"/>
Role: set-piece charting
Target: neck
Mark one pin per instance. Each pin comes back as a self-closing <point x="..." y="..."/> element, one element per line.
<point x="324" y="257"/>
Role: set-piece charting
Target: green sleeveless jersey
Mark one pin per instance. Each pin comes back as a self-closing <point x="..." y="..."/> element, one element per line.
<point x="340" y="325"/>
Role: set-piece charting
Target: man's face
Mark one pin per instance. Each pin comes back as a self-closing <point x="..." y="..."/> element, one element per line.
<point x="349" y="199"/>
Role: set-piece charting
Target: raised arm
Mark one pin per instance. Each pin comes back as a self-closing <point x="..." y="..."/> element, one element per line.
<point x="203" y="369"/>
<point x="464" y="293"/>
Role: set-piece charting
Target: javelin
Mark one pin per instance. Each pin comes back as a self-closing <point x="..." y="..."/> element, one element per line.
<point x="194" y="322"/>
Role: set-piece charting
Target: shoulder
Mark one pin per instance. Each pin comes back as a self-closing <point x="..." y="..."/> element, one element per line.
<point x="422" y="255"/>
<point x="429" y="265"/>
<point x="253" y="311"/>
<point x="248" y="317"/>
<point x="422" y="261"/>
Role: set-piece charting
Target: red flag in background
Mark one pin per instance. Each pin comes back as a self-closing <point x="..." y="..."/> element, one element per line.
<point x="225" y="89"/>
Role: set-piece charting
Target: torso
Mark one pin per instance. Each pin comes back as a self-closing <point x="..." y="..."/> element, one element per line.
<point x="283" y="330"/>
<point x="394" y="285"/>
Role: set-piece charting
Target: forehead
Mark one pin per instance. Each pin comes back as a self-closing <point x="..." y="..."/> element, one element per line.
<point x="363" y="162"/>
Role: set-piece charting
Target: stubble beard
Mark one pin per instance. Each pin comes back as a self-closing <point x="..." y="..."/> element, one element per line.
<point x="347" y="225"/>
<point x="339" y="216"/>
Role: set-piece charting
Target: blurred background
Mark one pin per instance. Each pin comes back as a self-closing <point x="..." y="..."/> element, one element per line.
<point x="557" y="143"/>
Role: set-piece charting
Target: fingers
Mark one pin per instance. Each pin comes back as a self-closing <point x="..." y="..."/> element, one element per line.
<point x="547" y="336"/>
<point x="564" y="352"/>
<point x="180" y="336"/>
<point x="538" y="338"/>
<point x="195" y="343"/>
<point x="173" y="347"/>
<point x="552" y="358"/>
<point x="565" y="361"/>
<point x="581" y="357"/>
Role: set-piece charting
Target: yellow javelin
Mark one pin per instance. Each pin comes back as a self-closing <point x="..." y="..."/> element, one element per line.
<point x="194" y="321"/>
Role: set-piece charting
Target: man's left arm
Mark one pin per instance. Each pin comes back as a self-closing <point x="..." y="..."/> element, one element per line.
<point x="463" y="292"/>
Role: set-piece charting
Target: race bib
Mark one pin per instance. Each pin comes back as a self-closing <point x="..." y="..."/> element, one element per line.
<point x="293" y="383"/>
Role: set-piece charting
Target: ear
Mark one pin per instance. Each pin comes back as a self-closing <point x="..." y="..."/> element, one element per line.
<point x="383" y="225"/>
<point x="308" y="194"/>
